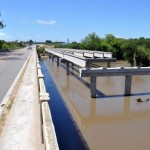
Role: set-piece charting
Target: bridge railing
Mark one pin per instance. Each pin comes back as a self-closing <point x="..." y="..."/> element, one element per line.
<point x="49" y="135"/>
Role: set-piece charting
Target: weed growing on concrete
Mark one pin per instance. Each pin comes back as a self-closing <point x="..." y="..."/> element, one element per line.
<point x="4" y="115"/>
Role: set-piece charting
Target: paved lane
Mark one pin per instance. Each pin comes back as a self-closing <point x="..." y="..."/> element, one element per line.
<point x="10" y="65"/>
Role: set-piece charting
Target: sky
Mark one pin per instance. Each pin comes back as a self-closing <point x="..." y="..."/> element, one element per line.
<point x="59" y="20"/>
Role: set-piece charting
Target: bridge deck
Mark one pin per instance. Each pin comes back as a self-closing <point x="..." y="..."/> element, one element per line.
<point x="78" y="56"/>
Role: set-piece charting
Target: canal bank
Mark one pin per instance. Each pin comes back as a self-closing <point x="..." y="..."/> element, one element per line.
<point x="111" y="121"/>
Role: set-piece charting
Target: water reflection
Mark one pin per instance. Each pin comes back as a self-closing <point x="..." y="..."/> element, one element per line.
<point x="112" y="121"/>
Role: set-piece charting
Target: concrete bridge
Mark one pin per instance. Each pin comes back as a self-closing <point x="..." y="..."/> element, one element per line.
<point x="84" y="59"/>
<point x="80" y="58"/>
<point x="128" y="72"/>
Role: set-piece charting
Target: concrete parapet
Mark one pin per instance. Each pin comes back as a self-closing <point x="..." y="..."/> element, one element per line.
<point x="44" y="97"/>
<point x="50" y="139"/>
<point x="49" y="135"/>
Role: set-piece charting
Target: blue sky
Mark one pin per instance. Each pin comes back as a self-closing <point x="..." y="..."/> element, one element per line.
<point x="58" y="20"/>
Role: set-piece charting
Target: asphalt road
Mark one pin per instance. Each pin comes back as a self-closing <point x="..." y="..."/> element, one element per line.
<point x="10" y="65"/>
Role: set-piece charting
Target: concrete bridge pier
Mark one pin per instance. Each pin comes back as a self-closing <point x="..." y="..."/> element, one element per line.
<point x="49" y="56"/>
<point x="88" y="65"/>
<point x="57" y="61"/>
<point x="128" y="80"/>
<point x="52" y="56"/>
<point x="72" y="64"/>
<point x="108" y="64"/>
<point x="67" y="65"/>
<point x="67" y="68"/>
<point x="93" y="86"/>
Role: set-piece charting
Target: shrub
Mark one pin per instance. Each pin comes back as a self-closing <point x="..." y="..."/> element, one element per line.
<point x="40" y="50"/>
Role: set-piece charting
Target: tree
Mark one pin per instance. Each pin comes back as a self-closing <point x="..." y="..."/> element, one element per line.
<point x="91" y="41"/>
<point x="142" y="56"/>
<point x="48" y="41"/>
<point x="74" y="45"/>
<point x="1" y="23"/>
<point x="31" y="42"/>
<point x="130" y="48"/>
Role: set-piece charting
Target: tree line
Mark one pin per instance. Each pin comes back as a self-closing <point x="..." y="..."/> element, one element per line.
<point x="135" y="51"/>
<point x="4" y="45"/>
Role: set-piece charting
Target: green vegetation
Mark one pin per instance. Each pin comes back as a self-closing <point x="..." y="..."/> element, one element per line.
<point x="10" y="45"/>
<point x="135" y="51"/>
<point x="40" y="50"/>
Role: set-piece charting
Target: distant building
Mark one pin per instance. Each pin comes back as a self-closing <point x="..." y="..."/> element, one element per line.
<point x="68" y="41"/>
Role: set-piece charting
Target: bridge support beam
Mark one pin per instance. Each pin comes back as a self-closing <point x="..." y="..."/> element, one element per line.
<point x="93" y="86"/>
<point x="128" y="80"/>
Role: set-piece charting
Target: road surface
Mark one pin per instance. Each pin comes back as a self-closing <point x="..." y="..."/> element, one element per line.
<point x="10" y="65"/>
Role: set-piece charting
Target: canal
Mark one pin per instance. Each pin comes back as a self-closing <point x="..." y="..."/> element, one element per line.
<point x="109" y="122"/>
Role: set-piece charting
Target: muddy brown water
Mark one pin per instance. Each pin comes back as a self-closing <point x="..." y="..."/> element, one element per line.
<point x="111" y="121"/>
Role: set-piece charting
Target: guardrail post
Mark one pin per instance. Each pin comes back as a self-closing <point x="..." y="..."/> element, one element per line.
<point x="93" y="86"/>
<point x="128" y="79"/>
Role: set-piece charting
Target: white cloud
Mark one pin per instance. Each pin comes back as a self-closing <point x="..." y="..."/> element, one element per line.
<point x="44" y="22"/>
<point x="2" y="34"/>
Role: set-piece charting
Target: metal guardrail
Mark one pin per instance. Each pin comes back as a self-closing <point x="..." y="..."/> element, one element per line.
<point x="49" y="135"/>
